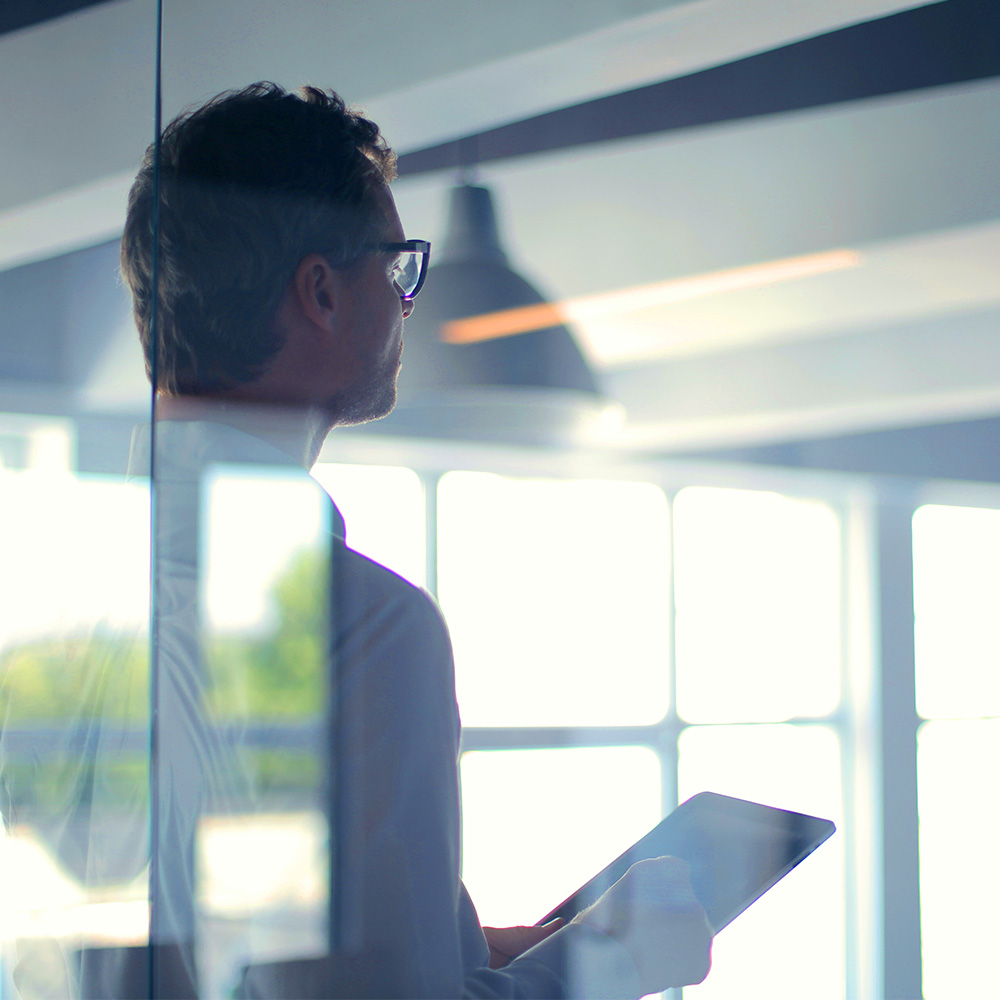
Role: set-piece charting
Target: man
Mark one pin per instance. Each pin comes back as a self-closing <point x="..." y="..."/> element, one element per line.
<point x="284" y="280"/>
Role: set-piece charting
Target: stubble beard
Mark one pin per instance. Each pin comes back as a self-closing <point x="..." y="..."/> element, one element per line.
<point x="370" y="400"/>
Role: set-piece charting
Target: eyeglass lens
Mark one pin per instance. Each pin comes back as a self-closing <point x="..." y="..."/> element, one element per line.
<point x="408" y="271"/>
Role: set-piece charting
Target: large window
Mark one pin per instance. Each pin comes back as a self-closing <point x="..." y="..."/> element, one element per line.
<point x="622" y="643"/>
<point x="625" y="636"/>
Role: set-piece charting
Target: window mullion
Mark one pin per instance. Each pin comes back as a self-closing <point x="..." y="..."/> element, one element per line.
<point x="672" y="724"/>
<point x="429" y="481"/>
<point x="900" y="856"/>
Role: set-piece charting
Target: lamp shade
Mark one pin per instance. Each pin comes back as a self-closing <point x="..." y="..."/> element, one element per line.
<point x="533" y="381"/>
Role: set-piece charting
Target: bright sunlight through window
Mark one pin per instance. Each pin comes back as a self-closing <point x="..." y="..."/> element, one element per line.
<point x="758" y="606"/>
<point x="956" y="589"/>
<point x="557" y="599"/>
<point x="575" y="811"/>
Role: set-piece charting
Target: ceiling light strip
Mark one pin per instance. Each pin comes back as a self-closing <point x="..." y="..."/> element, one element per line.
<point x="523" y="319"/>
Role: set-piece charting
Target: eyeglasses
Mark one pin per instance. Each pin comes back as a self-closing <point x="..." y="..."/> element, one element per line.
<point x="410" y="267"/>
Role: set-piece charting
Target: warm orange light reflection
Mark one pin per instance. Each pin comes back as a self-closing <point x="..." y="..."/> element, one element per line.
<point x="536" y="317"/>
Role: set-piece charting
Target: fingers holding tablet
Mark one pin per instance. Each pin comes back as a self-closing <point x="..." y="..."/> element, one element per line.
<point x="687" y="879"/>
<point x="653" y="913"/>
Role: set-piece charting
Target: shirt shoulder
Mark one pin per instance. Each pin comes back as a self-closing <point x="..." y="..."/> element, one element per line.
<point x="384" y="622"/>
<point x="377" y="585"/>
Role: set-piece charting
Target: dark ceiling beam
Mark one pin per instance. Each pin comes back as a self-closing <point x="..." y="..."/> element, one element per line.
<point x="945" y="43"/>
<point x="17" y="14"/>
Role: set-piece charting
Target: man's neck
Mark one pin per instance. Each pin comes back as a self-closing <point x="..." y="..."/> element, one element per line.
<point x="298" y="432"/>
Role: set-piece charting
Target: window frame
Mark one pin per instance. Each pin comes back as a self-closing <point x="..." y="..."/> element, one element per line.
<point x="865" y="733"/>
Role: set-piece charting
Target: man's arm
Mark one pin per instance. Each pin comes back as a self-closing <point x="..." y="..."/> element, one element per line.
<point x="398" y="694"/>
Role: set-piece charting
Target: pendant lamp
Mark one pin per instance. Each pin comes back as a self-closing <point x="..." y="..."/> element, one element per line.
<point x="533" y="386"/>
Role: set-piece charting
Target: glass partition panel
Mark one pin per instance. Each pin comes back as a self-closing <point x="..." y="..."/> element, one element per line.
<point x="74" y="521"/>
<point x="307" y="835"/>
<point x="74" y="705"/>
<point x="243" y="797"/>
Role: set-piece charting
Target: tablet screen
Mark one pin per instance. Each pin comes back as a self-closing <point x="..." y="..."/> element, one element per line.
<point x="736" y="851"/>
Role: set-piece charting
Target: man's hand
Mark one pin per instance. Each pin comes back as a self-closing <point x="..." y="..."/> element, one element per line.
<point x="507" y="943"/>
<point x="653" y="913"/>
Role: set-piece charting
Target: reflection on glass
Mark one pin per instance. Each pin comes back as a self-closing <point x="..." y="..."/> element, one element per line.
<point x="241" y="790"/>
<point x="557" y="598"/>
<point x="758" y="606"/>
<point x="262" y="839"/>
<point x="956" y="593"/>
<point x="383" y="507"/>
<point x="586" y="805"/>
<point x="959" y="869"/>
<point x="74" y="703"/>
<point x="790" y="943"/>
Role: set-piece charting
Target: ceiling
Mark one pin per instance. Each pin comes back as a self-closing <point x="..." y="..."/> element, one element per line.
<point x="17" y="14"/>
<point x="904" y="334"/>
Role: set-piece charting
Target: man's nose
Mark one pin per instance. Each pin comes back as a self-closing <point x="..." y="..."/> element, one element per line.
<point x="407" y="305"/>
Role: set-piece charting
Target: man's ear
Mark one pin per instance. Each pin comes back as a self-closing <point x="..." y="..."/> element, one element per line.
<point x="316" y="289"/>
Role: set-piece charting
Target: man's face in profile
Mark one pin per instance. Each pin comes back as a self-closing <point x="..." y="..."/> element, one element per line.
<point x="373" y="328"/>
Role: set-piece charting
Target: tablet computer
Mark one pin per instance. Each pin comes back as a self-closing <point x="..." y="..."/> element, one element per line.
<point x="736" y="851"/>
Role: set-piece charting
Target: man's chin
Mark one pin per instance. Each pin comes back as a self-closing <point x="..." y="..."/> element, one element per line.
<point x="372" y="406"/>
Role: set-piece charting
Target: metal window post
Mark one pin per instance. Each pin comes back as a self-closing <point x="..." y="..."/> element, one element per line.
<point x="900" y="853"/>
